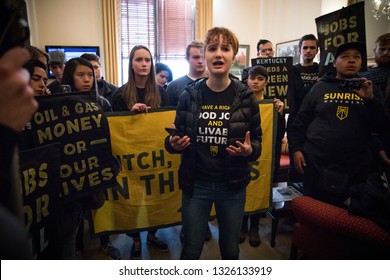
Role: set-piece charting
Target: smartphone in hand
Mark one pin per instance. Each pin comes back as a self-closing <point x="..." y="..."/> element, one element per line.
<point x="174" y="131"/>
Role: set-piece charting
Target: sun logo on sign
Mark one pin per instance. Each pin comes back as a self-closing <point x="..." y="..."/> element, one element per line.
<point x="214" y="150"/>
<point x="342" y="112"/>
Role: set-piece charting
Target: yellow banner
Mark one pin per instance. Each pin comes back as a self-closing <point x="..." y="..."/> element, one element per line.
<point x="258" y="195"/>
<point x="148" y="195"/>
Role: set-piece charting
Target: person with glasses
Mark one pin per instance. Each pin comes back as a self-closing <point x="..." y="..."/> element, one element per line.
<point x="265" y="49"/>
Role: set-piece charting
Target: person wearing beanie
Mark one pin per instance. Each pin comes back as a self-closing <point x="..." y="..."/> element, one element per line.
<point x="56" y="65"/>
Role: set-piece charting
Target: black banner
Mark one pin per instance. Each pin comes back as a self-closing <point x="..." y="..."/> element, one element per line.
<point x="279" y="76"/>
<point x="39" y="169"/>
<point x="77" y="122"/>
<point x="337" y="28"/>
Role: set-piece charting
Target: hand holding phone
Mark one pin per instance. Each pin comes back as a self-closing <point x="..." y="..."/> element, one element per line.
<point x="351" y="84"/>
<point x="174" y="131"/>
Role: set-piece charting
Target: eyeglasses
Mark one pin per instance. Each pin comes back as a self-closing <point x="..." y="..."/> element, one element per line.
<point x="265" y="50"/>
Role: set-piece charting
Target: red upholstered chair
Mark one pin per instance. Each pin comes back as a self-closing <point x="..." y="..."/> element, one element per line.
<point x="324" y="231"/>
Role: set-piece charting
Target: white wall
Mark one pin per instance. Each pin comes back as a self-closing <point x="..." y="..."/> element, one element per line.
<point x="252" y="20"/>
<point x="329" y="6"/>
<point x="65" y="22"/>
<point x="282" y="20"/>
<point x="241" y="17"/>
<point x="285" y="20"/>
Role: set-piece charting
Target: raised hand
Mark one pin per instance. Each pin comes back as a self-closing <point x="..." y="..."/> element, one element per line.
<point x="243" y="149"/>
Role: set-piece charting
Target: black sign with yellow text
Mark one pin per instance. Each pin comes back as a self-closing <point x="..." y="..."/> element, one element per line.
<point x="77" y="122"/>
<point x="39" y="169"/>
<point x="280" y="78"/>
<point x="337" y="28"/>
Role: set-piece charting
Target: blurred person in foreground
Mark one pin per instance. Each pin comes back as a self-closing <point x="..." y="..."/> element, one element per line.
<point x="17" y="105"/>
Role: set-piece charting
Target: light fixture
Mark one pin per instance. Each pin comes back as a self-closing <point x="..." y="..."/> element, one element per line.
<point x="381" y="7"/>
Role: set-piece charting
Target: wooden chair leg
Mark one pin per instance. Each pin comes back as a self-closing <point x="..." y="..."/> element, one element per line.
<point x="274" y="230"/>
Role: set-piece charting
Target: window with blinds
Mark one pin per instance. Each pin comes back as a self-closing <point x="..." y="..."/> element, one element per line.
<point x="164" y="26"/>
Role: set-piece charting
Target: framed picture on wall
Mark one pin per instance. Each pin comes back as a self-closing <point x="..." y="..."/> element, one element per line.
<point x="241" y="61"/>
<point x="289" y="48"/>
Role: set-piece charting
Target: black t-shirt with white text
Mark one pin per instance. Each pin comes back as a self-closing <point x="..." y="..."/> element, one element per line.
<point x="213" y="130"/>
<point x="309" y="76"/>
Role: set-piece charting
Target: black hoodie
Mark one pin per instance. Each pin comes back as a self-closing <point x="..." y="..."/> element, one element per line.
<point x="334" y="125"/>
